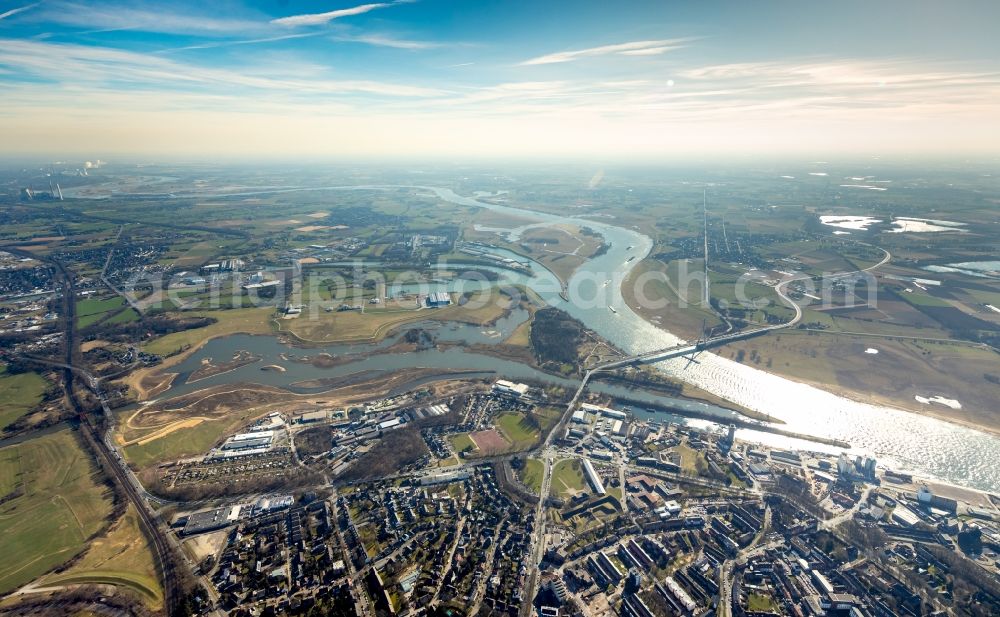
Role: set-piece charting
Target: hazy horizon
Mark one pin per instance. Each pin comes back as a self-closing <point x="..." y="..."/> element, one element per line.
<point x="638" y="81"/>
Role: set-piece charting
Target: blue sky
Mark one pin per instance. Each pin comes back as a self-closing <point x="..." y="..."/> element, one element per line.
<point x="458" y="78"/>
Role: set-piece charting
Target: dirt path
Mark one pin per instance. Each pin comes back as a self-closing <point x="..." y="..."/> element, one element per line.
<point x="83" y="532"/>
<point x="163" y="432"/>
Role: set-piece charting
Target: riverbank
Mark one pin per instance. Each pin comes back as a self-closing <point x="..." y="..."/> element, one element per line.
<point x="918" y="409"/>
<point x="210" y="369"/>
<point x="738" y="422"/>
<point x="151" y="381"/>
<point x="650" y="292"/>
<point x="558" y="247"/>
<point x="893" y="376"/>
<point x="177" y="347"/>
<point x="884" y="371"/>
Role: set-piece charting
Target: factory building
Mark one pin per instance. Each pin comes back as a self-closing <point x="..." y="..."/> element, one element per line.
<point x="607" y="412"/>
<point x="458" y="475"/>
<point x="618" y="428"/>
<point x="439" y="298"/>
<point x="261" y="285"/>
<point x="312" y="416"/>
<point x="904" y="516"/>
<point x="273" y="504"/>
<point x="212" y="520"/>
<point x="249" y="441"/>
<point x="390" y="424"/>
<point x="502" y="387"/>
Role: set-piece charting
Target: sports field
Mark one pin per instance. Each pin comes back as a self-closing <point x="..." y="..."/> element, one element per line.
<point x="523" y="431"/>
<point x="517" y="429"/>
<point x="489" y="442"/>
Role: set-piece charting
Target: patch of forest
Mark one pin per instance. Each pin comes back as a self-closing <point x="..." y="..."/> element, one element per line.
<point x="555" y="337"/>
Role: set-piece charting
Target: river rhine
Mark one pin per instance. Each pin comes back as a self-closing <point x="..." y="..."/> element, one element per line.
<point x="898" y="439"/>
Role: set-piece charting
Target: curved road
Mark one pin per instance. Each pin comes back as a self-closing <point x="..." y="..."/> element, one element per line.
<point x="780" y="287"/>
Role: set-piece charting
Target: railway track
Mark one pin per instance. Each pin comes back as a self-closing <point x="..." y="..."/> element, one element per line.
<point x="163" y="551"/>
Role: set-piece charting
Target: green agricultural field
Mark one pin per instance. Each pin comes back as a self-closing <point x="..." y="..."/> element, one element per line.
<point x="748" y="296"/>
<point x="195" y="254"/>
<point x="126" y="316"/>
<point x="10" y="470"/>
<point x="901" y="370"/>
<point x="567" y="478"/>
<point x="93" y="310"/>
<point x="61" y="505"/>
<point x="677" y="307"/>
<point x="986" y="297"/>
<point x="18" y="394"/>
<point x="85" y="321"/>
<point x="923" y="299"/>
<point x="121" y="557"/>
<point x="95" y="306"/>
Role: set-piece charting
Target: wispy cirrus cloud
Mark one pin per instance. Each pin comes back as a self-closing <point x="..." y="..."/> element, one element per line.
<point x="865" y="78"/>
<point x="105" y="68"/>
<point x="232" y="43"/>
<point x="650" y="51"/>
<point x="318" y="19"/>
<point x="140" y="17"/>
<point x="382" y="40"/>
<point x="852" y="91"/>
<point x="718" y="108"/>
<point x="21" y="9"/>
<point x="632" y="48"/>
